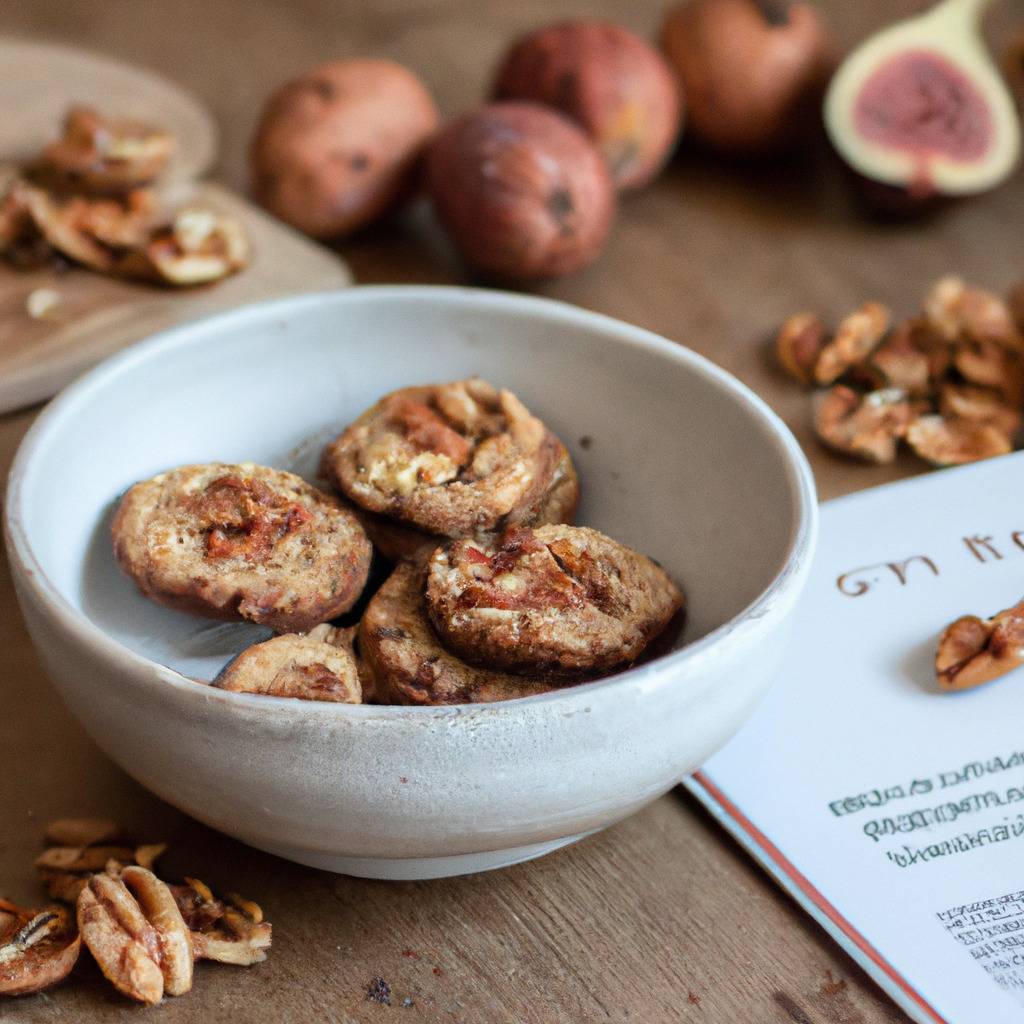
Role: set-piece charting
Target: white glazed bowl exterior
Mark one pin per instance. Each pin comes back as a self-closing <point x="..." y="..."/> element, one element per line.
<point x="407" y="792"/>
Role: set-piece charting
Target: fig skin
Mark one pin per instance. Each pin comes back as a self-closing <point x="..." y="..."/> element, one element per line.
<point x="752" y="80"/>
<point x="337" y="147"/>
<point x="612" y="83"/>
<point x="522" y="191"/>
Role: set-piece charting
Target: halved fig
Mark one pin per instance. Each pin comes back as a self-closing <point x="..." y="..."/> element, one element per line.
<point x="199" y="246"/>
<point x="947" y="441"/>
<point x="105" y="155"/>
<point x="863" y="426"/>
<point x="798" y="345"/>
<point x="969" y="402"/>
<point x="855" y="338"/>
<point x="973" y="651"/>
<point x="921" y="106"/>
<point x="38" y="948"/>
<point x="556" y="600"/>
<point x="319" y="665"/>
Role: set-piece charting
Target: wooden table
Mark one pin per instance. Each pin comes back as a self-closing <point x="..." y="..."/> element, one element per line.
<point x="661" y="918"/>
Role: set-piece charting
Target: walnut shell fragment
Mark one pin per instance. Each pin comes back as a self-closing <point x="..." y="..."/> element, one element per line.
<point x="973" y="651"/>
<point x="854" y="341"/>
<point x="955" y="441"/>
<point x="198" y="246"/>
<point x="798" y="345"/>
<point x="105" y="155"/>
<point x="38" y="948"/>
<point x="863" y="426"/>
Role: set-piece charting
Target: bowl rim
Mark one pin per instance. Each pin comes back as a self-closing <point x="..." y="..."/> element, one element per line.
<point x="800" y="548"/>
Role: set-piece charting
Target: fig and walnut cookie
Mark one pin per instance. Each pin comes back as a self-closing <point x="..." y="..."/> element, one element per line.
<point x="556" y="600"/>
<point x="409" y="664"/>
<point x="450" y="460"/>
<point x="318" y="665"/>
<point x="242" y="542"/>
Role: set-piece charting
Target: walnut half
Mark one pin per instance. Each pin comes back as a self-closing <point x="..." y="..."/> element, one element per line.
<point x="973" y="651"/>
<point x="38" y="948"/>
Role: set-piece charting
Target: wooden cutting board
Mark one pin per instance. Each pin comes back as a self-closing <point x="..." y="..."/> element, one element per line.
<point x="98" y="315"/>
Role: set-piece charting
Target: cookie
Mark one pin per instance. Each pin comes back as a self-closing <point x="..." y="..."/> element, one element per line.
<point x="556" y="600"/>
<point x="407" y="661"/>
<point x="242" y="542"/>
<point x="318" y="665"/>
<point x="450" y="460"/>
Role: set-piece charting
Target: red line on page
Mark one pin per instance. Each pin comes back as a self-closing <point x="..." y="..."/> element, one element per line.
<point x="801" y="882"/>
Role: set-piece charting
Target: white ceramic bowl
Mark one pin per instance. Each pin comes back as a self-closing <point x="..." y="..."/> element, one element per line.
<point x="675" y="457"/>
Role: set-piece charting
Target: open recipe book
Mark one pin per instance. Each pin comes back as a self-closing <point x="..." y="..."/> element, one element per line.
<point x="893" y="812"/>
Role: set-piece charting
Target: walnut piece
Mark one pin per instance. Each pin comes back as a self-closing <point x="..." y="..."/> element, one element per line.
<point x="962" y="313"/>
<point x="854" y="341"/>
<point x="864" y="426"/>
<point x="798" y="345"/>
<point x="105" y="155"/>
<point x="199" y="246"/>
<point x="946" y="441"/>
<point x="973" y="651"/>
<point x="230" y="931"/>
<point x="135" y="932"/>
<point x="967" y="401"/>
<point x="38" y="948"/>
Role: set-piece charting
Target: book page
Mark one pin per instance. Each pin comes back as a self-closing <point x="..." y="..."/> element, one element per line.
<point x="901" y="806"/>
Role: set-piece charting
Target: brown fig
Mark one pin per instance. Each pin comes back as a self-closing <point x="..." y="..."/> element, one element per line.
<point x="611" y="82"/>
<point x="752" y="70"/>
<point x="521" y="190"/>
<point x="337" y="147"/>
<point x="919" y="109"/>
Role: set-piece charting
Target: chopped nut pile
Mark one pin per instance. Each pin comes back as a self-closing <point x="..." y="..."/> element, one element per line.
<point x="88" y="200"/>
<point x="973" y="651"/>
<point x="144" y="933"/>
<point x="949" y="381"/>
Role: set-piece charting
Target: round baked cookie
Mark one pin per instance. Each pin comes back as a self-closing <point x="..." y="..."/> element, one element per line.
<point x="559" y="600"/>
<point x="242" y="542"/>
<point x="318" y="665"/>
<point x="407" y="663"/>
<point x="449" y="460"/>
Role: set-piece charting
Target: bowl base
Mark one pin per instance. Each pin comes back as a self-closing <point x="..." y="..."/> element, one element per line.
<point x="412" y="869"/>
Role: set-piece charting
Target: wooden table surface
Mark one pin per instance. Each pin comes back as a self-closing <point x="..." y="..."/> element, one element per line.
<point x="661" y="918"/>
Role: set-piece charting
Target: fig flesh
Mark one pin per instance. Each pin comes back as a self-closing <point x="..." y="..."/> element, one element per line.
<point x="920" y="107"/>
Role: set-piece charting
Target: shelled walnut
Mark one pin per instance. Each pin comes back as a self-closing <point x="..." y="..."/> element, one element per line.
<point x="973" y="651"/>
<point x="958" y="365"/>
<point x="88" y="200"/>
<point x="144" y="933"/>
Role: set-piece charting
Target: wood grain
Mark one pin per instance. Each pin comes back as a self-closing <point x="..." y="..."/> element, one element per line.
<point x="98" y="315"/>
<point x="660" y="919"/>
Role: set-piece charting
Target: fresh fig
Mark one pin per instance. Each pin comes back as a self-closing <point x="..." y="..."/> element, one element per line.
<point x="521" y="190"/>
<point x="614" y="84"/>
<point x="920" y="110"/>
<point x="752" y="71"/>
<point x="336" y="148"/>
